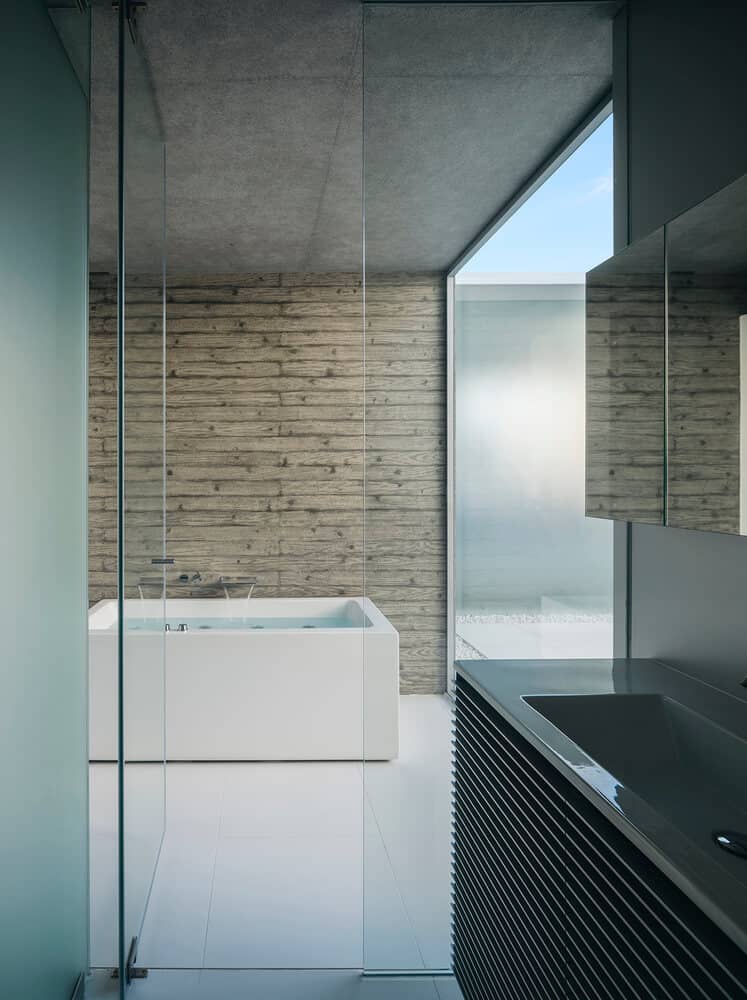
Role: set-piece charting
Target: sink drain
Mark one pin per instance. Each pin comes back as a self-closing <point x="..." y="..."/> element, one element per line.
<point x="731" y="841"/>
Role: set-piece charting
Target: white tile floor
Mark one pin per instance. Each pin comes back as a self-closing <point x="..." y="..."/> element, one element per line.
<point x="294" y="865"/>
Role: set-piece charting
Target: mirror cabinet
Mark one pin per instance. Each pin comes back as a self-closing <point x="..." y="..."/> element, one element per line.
<point x="666" y="416"/>
<point x="625" y="397"/>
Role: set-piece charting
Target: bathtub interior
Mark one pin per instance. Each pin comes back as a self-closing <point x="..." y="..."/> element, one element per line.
<point x="240" y="614"/>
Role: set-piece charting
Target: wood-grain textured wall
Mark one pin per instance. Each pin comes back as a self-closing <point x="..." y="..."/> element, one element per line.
<point x="626" y="344"/>
<point x="703" y="450"/>
<point x="264" y="451"/>
<point x="625" y="398"/>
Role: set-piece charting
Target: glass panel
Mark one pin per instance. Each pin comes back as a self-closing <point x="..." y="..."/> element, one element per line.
<point x="43" y="732"/>
<point x="707" y="354"/>
<point x="410" y="118"/>
<point x="625" y="367"/>
<point x="441" y="96"/>
<point x="533" y="576"/>
<point x="264" y="494"/>
<point x="142" y="470"/>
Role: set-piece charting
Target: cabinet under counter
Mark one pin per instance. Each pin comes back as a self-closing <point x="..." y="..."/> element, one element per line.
<point x="566" y="882"/>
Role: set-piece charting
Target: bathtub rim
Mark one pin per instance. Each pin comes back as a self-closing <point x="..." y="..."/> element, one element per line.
<point x="102" y="615"/>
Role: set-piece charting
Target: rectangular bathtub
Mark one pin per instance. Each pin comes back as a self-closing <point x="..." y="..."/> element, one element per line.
<point x="264" y="679"/>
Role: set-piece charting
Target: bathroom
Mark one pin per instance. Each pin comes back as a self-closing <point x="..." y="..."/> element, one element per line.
<point x="394" y="482"/>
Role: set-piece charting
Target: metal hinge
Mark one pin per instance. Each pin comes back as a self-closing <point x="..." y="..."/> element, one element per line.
<point x="132" y="9"/>
<point x="131" y="970"/>
<point x="133" y="6"/>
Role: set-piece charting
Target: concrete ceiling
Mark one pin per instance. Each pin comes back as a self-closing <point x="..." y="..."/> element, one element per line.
<point x="261" y="107"/>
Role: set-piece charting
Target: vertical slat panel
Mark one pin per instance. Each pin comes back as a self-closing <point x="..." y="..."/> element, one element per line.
<point x="508" y="867"/>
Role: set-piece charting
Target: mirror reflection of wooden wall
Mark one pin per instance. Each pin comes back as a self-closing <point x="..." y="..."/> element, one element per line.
<point x="625" y="375"/>
<point x="707" y="289"/>
<point x="666" y="373"/>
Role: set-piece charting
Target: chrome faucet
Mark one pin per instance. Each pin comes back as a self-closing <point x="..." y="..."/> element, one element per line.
<point x="250" y="582"/>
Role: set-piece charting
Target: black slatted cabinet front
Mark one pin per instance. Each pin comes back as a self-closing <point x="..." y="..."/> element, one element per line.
<point x="550" y="900"/>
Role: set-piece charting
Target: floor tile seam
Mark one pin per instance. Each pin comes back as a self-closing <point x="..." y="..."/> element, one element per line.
<point x="394" y="876"/>
<point x="212" y="879"/>
<point x="276" y="837"/>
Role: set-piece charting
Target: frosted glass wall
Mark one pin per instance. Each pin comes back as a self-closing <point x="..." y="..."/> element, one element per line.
<point x="43" y="669"/>
<point x="533" y="574"/>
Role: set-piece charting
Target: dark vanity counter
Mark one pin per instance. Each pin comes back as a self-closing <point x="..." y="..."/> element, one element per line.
<point x="667" y="771"/>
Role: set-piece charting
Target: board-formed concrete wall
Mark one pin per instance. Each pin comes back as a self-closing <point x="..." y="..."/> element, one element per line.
<point x="266" y="394"/>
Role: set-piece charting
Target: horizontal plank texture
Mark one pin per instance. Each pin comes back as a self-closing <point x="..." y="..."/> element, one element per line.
<point x="703" y="453"/>
<point x="625" y="398"/>
<point x="270" y="397"/>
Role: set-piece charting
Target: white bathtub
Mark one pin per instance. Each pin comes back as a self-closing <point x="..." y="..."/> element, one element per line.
<point x="247" y="680"/>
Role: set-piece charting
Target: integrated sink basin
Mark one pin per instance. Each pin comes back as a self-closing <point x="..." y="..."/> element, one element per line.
<point x="686" y="767"/>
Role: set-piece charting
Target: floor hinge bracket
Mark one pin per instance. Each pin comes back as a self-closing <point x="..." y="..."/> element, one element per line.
<point x="132" y="971"/>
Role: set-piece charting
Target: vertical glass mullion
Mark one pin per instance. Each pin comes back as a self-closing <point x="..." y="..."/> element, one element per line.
<point x="141" y="541"/>
<point x="121" y="947"/>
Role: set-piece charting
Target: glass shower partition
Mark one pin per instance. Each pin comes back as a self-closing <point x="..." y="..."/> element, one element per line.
<point x="411" y="54"/>
<point x="140" y="493"/>
<point x="270" y="489"/>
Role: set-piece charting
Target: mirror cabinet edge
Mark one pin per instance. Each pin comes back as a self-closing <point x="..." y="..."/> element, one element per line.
<point x="705" y="265"/>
